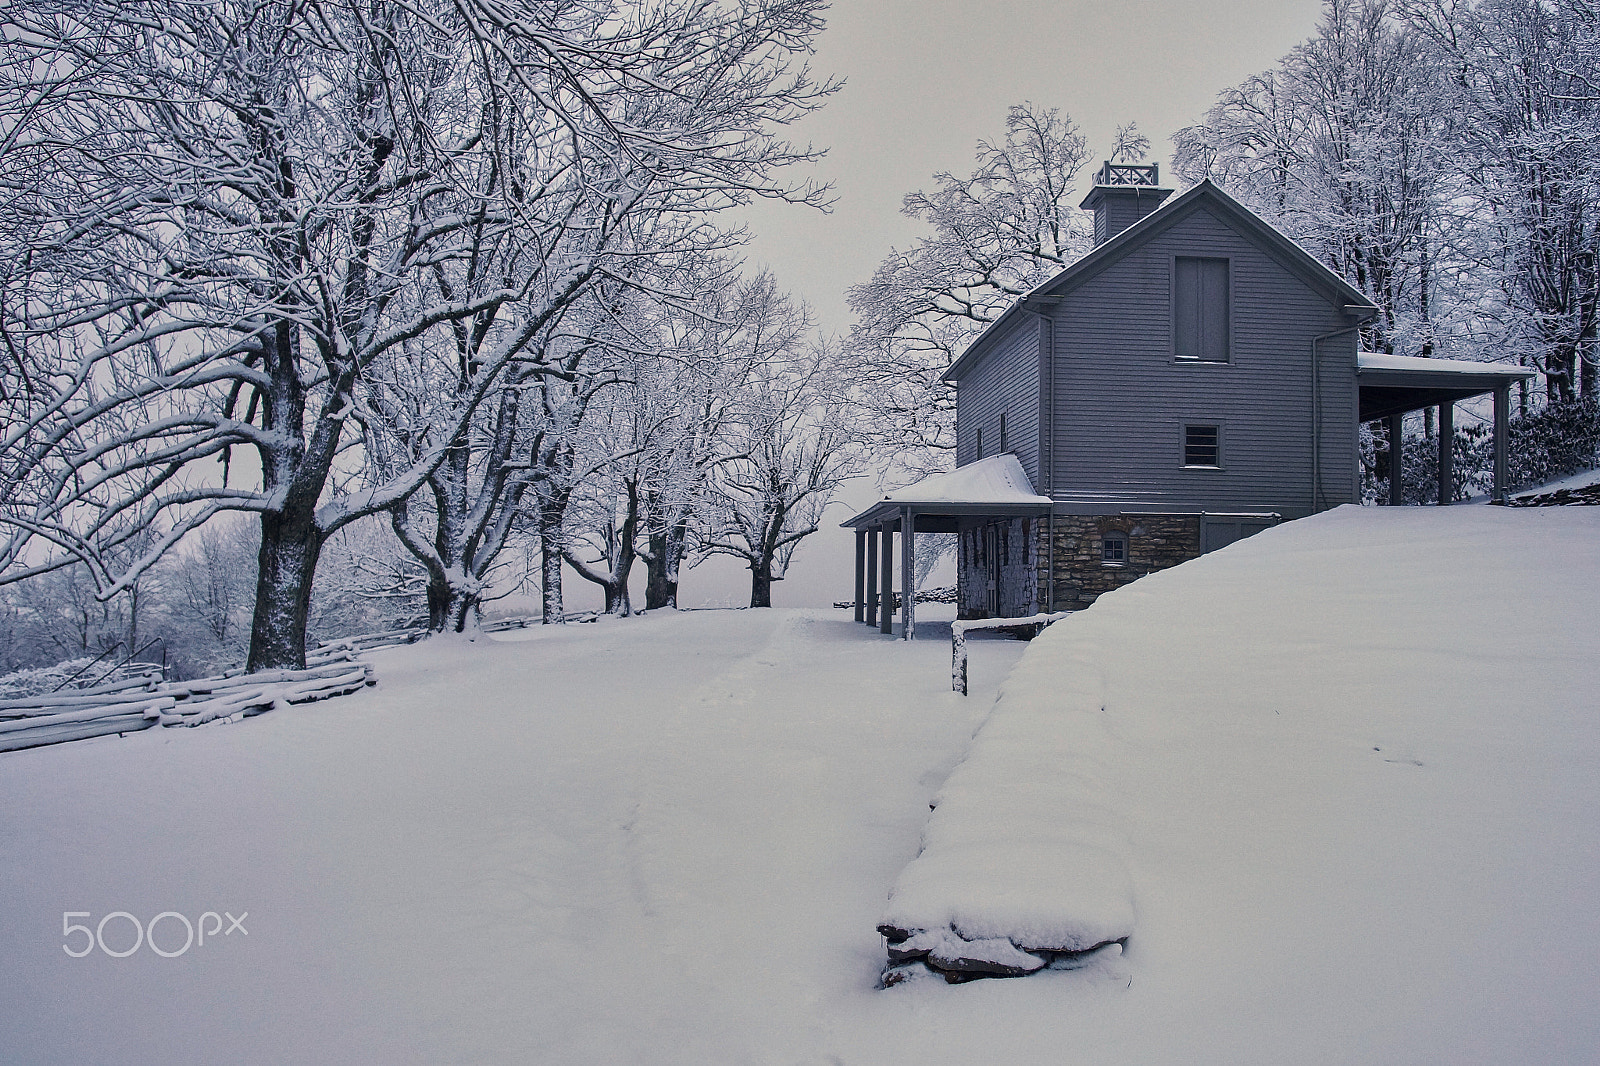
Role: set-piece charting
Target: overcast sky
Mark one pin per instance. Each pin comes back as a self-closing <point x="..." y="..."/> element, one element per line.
<point x="926" y="79"/>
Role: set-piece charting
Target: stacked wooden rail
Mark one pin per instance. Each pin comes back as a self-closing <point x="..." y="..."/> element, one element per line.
<point x="410" y="635"/>
<point x="145" y="701"/>
<point x="943" y="594"/>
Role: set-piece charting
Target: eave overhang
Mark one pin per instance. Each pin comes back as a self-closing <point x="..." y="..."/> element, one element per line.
<point x="1401" y="385"/>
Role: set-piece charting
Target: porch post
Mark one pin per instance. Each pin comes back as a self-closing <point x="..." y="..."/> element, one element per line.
<point x="861" y="574"/>
<point x="886" y="601"/>
<point x="1397" y="449"/>
<point x="872" y="577"/>
<point x="1502" y="413"/>
<point x="908" y="574"/>
<point x="1447" y="434"/>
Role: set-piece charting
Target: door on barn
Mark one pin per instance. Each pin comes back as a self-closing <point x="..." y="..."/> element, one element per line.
<point x="991" y="570"/>
<point x="1219" y="531"/>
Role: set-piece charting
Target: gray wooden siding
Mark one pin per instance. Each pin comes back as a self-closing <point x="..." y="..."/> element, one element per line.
<point x="1121" y="399"/>
<point x="1005" y="381"/>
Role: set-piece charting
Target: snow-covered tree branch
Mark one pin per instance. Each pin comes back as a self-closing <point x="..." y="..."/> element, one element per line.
<point x="223" y="221"/>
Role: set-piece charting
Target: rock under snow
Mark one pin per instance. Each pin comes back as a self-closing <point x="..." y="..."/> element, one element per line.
<point x="1041" y="894"/>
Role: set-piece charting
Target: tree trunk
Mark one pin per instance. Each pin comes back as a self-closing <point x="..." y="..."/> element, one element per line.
<point x="761" y="583"/>
<point x="552" y="517"/>
<point x="661" y="566"/>
<point x="290" y="547"/>
<point x="463" y="616"/>
<point x="451" y="605"/>
<point x="438" y="603"/>
<point x="618" y="602"/>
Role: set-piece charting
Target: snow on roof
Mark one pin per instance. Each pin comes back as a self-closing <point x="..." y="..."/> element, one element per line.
<point x="997" y="479"/>
<point x="1381" y="361"/>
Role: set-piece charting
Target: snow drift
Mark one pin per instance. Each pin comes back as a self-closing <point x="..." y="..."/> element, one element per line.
<point x="1027" y="853"/>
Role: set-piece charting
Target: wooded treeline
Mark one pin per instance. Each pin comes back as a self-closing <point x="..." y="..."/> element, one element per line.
<point x="458" y="266"/>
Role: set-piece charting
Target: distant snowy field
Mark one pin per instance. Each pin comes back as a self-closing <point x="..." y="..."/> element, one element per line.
<point x="1351" y="767"/>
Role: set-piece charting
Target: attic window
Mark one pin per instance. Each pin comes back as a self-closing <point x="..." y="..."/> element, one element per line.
<point x="1202" y="446"/>
<point x="1200" y="309"/>
<point x="1003" y="447"/>
<point x="980" y="443"/>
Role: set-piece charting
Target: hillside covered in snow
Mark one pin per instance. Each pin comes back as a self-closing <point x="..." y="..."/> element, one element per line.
<point x="1340" y="776"/>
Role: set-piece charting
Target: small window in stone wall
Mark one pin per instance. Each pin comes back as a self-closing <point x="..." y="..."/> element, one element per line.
<point x="1114" y="548"/>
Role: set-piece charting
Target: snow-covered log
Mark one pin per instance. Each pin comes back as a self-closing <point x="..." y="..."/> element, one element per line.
<point x="55" y="718"/>
<point x="147" y="708"/>
<point x="366" y="642"/>
<point x="207" y="686"/>
<point x="144" y="679"/>
<point x="257" y="696"/>
<point x="42" y="735"/>
<point x="34" y="705"/>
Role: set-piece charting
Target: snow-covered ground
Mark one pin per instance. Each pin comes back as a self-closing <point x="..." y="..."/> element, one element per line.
<point x="1349" y="766"/>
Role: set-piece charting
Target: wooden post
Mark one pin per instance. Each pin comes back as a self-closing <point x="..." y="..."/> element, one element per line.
<point x="1447" y="473"/>
<point x="958" y="657"/>
<point x="861" y="574"/>
<point x="1502" y="414"/>
<point x="908" y="574"/>
<point x="873" y="594"/>
<point x="886" y="561"/>
<point x="1397" y="449"/>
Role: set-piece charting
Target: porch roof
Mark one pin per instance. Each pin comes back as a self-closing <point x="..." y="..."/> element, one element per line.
<point x="1396" y="384"/>
<point x="994" y="486"/>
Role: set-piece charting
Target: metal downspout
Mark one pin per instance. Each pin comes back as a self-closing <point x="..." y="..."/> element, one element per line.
<point x="1047" y="436"/>
<point x="1316" y="411"/>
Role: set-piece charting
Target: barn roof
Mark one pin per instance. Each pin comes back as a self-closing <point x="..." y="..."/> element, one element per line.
<point x="994" y="486"/>
<point x="1207" y="194"/>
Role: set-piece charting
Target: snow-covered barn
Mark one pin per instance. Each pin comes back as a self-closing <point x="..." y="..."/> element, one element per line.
<point x="1194" y="379"/>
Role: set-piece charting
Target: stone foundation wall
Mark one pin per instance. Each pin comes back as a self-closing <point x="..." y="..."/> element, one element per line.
<point x="1015" y="545"/>
<point x="1154" y="542"/>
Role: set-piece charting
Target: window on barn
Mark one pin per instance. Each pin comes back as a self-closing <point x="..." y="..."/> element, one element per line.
<point x="980" y="444"/>
<point x="1202" y="446"/>
<point x="1200" y="309"/>
<point x="1114" y="548"/>
<point x="1003" y="448"/>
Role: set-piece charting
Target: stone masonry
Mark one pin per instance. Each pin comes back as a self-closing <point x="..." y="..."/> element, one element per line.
<point x="1154" y="542"/>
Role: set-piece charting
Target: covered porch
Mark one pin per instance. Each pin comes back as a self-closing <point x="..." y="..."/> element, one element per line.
<point x="992" y="488"/>
<point x="1392" y="386"/>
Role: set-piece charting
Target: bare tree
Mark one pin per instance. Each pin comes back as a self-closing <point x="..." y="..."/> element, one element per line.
<point x="224" y="219"/>
<point x="712" y="347"/>
<point x="997" y="233"/>
<point x="795" y="440"/>
<point x="1522" y="89"/>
